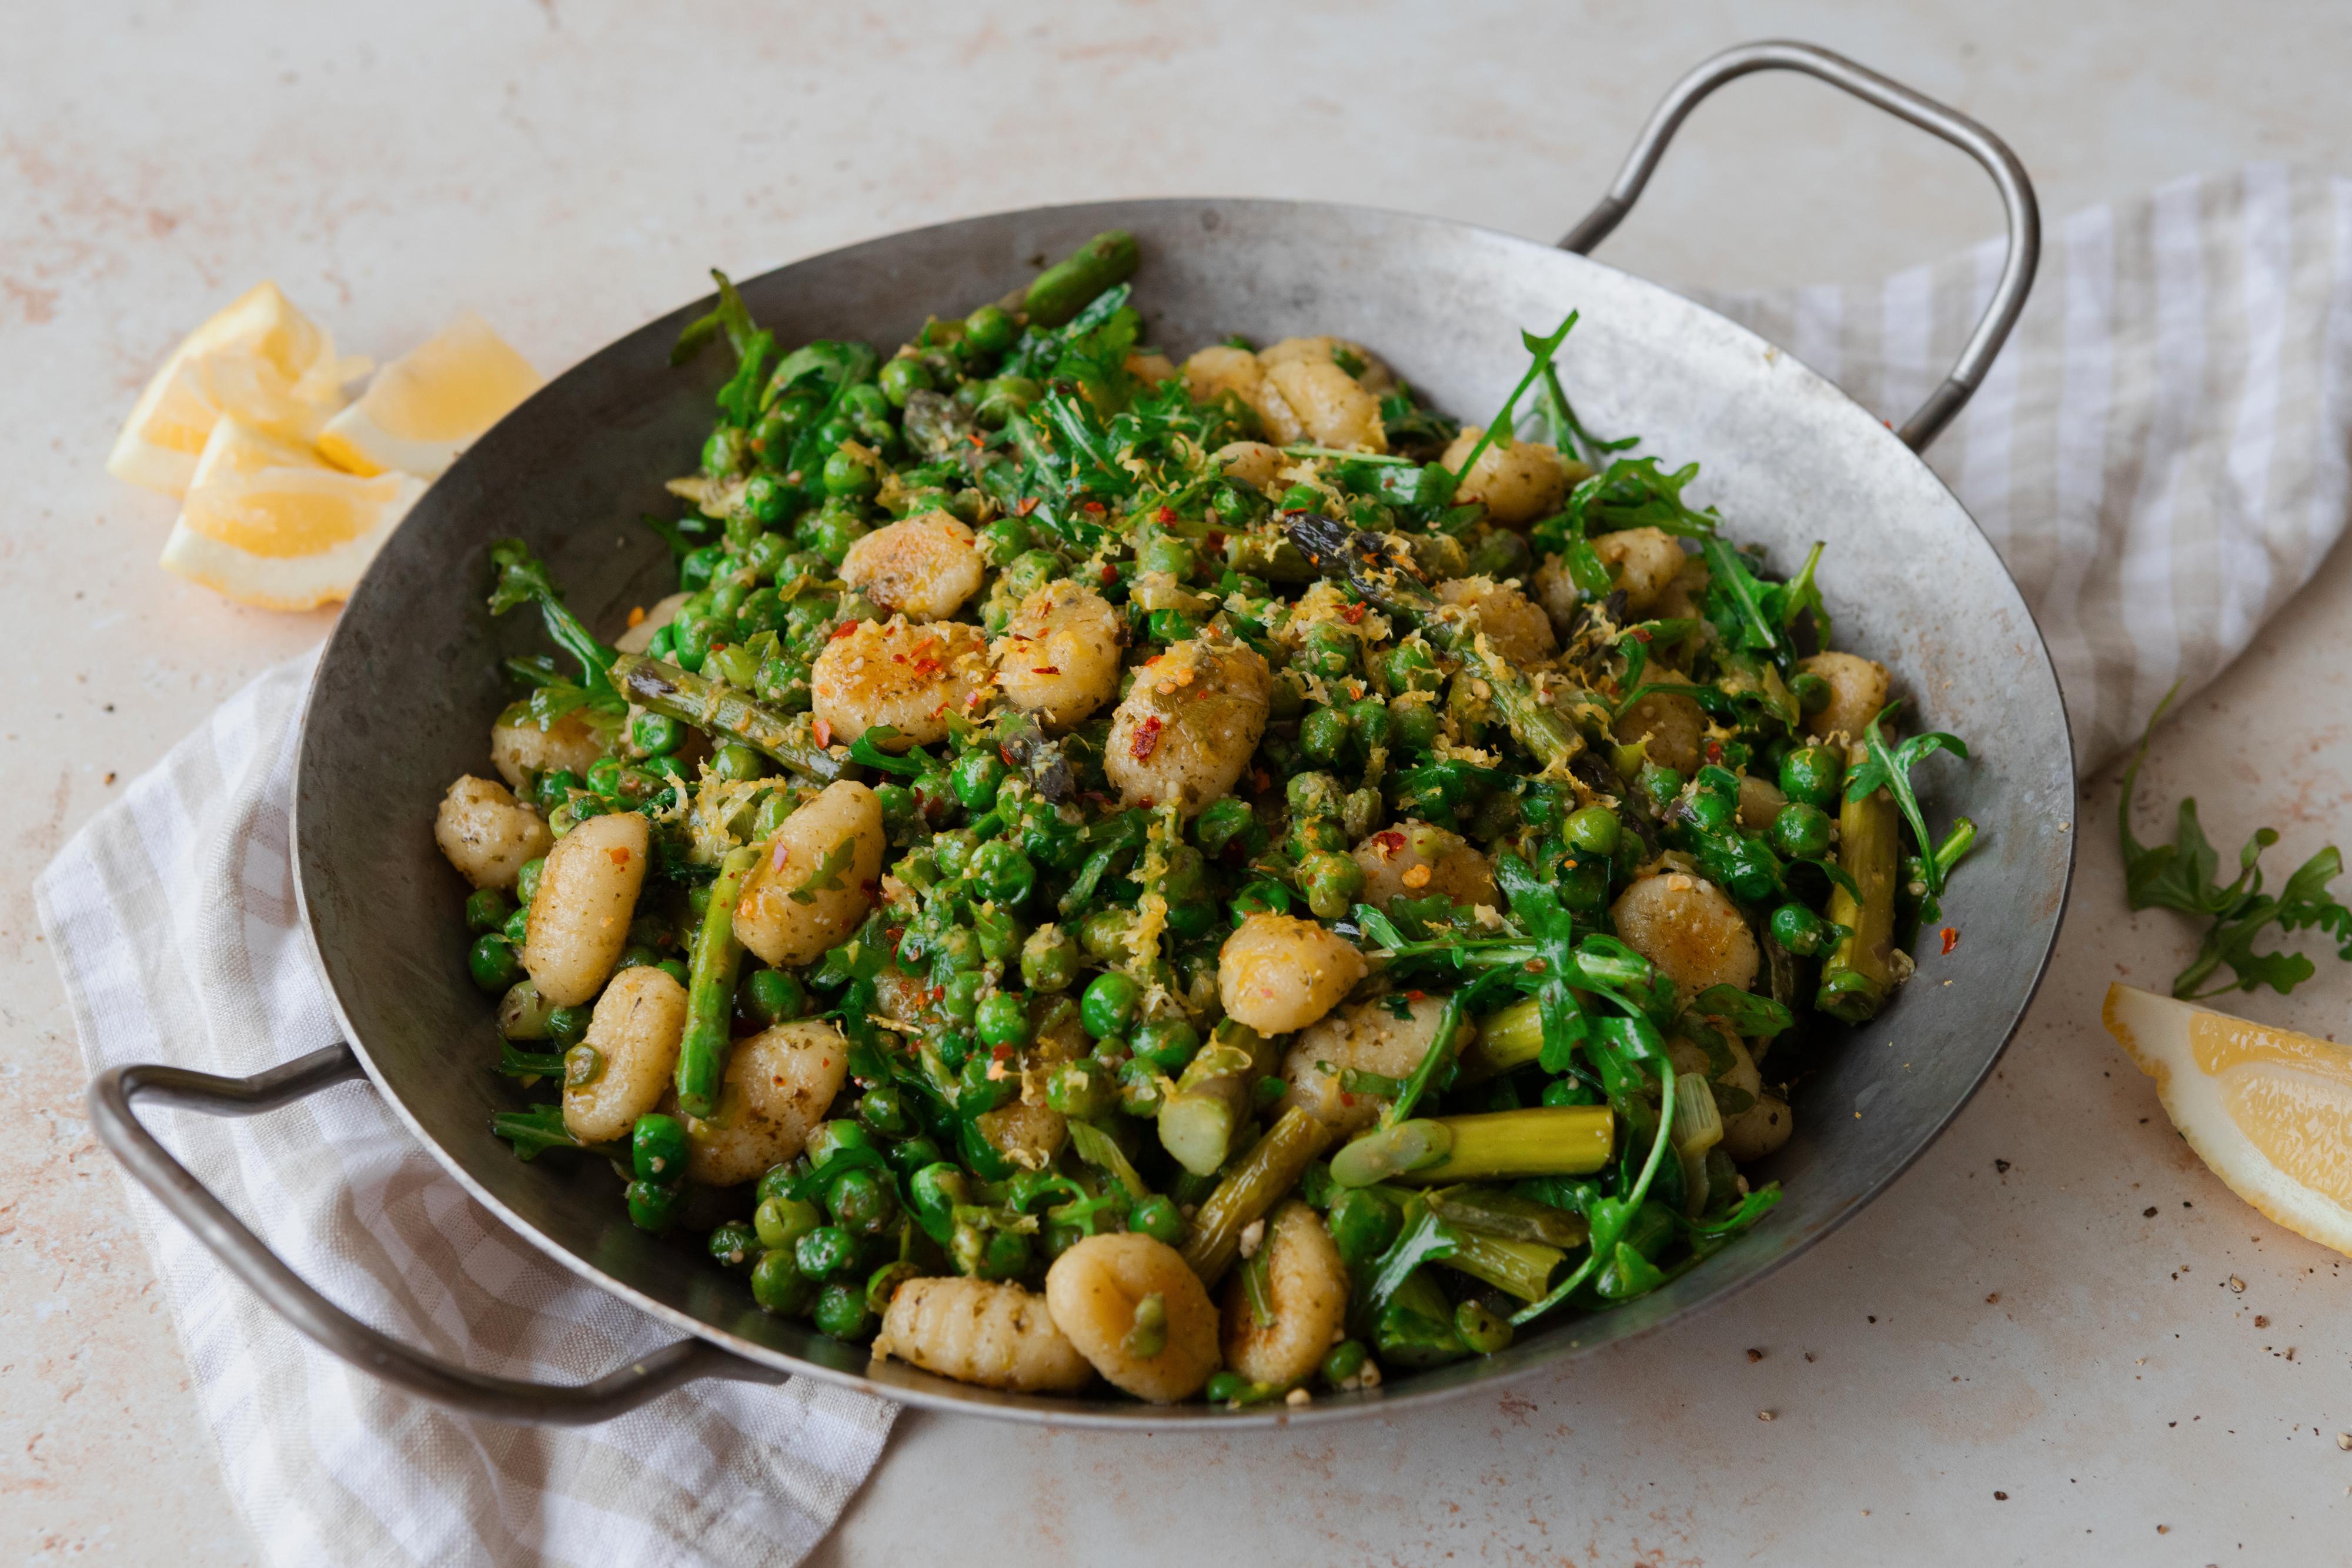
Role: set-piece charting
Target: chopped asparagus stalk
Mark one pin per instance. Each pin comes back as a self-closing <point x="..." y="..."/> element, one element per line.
<point x="1546" y="1140"/>
<point x="1270" y="1169"/>
<point x="710" y="995"/>
<point x="716" y="706"/>
<point x="1525" y="1269"/>
<point x="1212" y="1104"/>
<point x="1508" y="1040"/>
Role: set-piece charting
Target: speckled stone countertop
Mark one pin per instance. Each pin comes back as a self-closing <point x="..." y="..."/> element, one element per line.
<point x="2057" y="1339"/>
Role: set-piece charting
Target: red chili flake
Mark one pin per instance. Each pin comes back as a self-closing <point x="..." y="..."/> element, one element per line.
<point x="1109" y="572"/>
<point x="1416" y="996"/>
<point x="1390" y="840"/>
<point x="1044" y="669"/>
<point x="1535" y="965"/>
<point x="1353" y="614"/>
<point x="1714" y="750"/>
<point x="1026" y="505"/>
<point x="847" y="629"/>
<point x="1000" y="1053"/>
<point x="1094" y="507"/>
<point x="1640" y="634"/>
<point x="1260" y="782"/>
<point x="823" y="732"/>
<point x="977" y="439"/>
<point x="926" y="667"/>
<point x="938" y="991"/>
<point x="1164" y="515"/>
<point x="1216" y="541"/>
<point x="1146" y="737"/>
<point x="621" y="857"/>
<point x="1007" y="753"/>
<point x="1951" y="938"/>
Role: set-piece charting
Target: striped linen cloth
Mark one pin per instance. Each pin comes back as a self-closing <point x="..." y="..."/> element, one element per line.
<point x="173" y="918"/>
<point x="2160" y="454"/>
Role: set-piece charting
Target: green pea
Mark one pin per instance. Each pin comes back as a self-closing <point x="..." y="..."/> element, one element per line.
<point x="1593" y="830"/>
<point x="1084" y="1090"/>
<point x="1327" y="650"/>
<point x="989" y="329"/>
<point x="674" y="968"/>
<point x="1660" y="783"/>
<point x="767" y="555"/>
<point x="962" y="1002"/>
<point x="695" y="567"/>
<point x="523" y="1012"/>
<point x="1410" y="667"/>
<point x="1343" y="1361"/>
<point x="604" y="778"/>
<point x="912" y="1154"/>
<point x="1369" y="719"/>
<point x="902" y="378"/>
<point x="1799" y="929"/>
<point x="1302" y="498"/>
<point x="1000" y="399"/>
<point x="583" y="1065"/>
<point x="1712" y="812"/>
<point x="829" y="1138"/>
<point x="936" y="1188"/>
<point x="1104" y="934"/>
<point x="975" y="778"/>
<point x="835" y="532"/>
<point x="1484" y="1330"/>
<point x="1810" y="775"/>
<point x="487" y="909"/>
<point x="1003" y="540"/>
<point x="1002" y="872"/>
<point x="655" y="733"/>
<point x="1584" y="883"/>
<point x="781" y="1221"/>
<point x="1005" y="1255"/>
<point x="1801" y="832"/>
<point x="1138" y="1087"/>
<point x="1172" y="626"/>
<point x="1811" y="692"/>
<point x="493" y="964"/>
<point x="1330" y="881"/>
<point x="725" y="450"/>
<point x="1158" y="1218"/>
<point x="1049" y="960"/>
<point x="862" y="1203"/>
<point x="657" y="1147"/>
<point x="1323" y="734"/>
<point x="825" y="1251"/>
<point x="779" y="1286"/>
<point x="737" y="761"/>
<point x="733" y="1244"/>
<point x="1169" y="554"/>
<point x="1003" y="1019"/>
<point x="1109" y="1004"/>
<point x="1362" y="1224"/>
<point x="1416" y="725"/>
<point x="773" y="996"/>
<point x="652" y="1204"/>
<point x="1031" y="570"/>
<point x="1166" y="1043"/>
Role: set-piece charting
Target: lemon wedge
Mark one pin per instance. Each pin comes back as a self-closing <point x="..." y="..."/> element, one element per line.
<point x="260" y="360"/>
<point x="2270" y="1111"/>
<point x="267" y="523"/>
<point x="424" y="408"/>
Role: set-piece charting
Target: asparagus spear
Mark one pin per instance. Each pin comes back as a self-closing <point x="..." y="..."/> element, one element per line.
<point x="1270" y="1169"/>
<point x="710" y="996"/>
<point x="1547" y="1140"/>
<point x="1388" y="576"/>
<point x="715" y="705"/>
<point x="1063" y="290"/>
<point x="1523" y="1267"/>
<point x="1211" y="1106"/>
<point x="1859" y="971"/>
<point x="1512" y="1038"/>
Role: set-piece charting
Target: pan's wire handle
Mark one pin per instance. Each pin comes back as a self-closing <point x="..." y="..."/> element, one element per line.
<point x="2007" y="174"/>
<point x="328" y="1326"/>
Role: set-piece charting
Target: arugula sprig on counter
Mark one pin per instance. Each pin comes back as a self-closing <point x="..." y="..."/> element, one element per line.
<point x="2180" y="876"/>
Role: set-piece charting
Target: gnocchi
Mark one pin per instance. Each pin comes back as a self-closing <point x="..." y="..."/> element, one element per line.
<point x="1093" y="1290"/>
<point x="925" y="568"/>
<point x="1306" y="1291"/>
<point x="487" y="834"/>
<point x="635" y="1033"/>
<point x="816" y="879"/>
<point x="1059" y="657"/>
<point x="1277" y="973"/>
<point x="911" y="678"/>
<point x="579" y="920"/>
<point x="778" y="1084"/>
<point x="1187" y="728"/>
<point x="980" y="1332"/>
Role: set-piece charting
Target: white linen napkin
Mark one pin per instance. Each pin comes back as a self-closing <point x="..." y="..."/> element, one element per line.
<point x="2160" y="455"/>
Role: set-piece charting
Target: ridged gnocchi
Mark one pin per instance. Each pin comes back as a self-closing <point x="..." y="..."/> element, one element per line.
<point x="1307" y="1295"/>
<point x="1093" y="1290"/>
<point x="579" y="920"/>
<point x="487" y="834"/>
<point x="778" y="1084"/>
<point x="1059" y="655"/>
<point x="1277" y="973"/>
<point x="816" y="879"/>
<point x="635" y="1033"/>
<point x="1388" y="1035"/>
<point x="925" y="567"/>
<point x="980" y="1332"/>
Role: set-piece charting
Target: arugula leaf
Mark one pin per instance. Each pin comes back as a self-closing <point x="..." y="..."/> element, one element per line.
<point x="1567" y="429"/>
<point x="1744" y="1010"/>
<point x="1635" y="492"/>
<point x="1498" y="429"/>
<point x="2180" y="876"/>
<point x="1424" y="1239"/>
<point x="534" y="1132"/>
<point x="866" y="749"/>
<point x="517" y="1064"/>
<point x="1890" y="769"/>
<point x="1739" y="598"/>
<point x="1801" y="594"/>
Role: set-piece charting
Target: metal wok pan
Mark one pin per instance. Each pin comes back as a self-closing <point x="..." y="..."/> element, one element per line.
<point x="403" y="696"/>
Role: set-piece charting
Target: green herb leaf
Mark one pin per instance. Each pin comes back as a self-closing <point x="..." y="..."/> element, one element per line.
<point x="1889" y="768"/>
<point x="827" y="876"/>
<point x="535" y="1130"/>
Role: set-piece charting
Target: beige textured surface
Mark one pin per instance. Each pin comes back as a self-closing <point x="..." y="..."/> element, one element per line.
<point x="569" y="171"/>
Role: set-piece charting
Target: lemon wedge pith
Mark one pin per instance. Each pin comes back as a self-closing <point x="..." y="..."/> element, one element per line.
<point x="424" y="407"/>
<point x="2269" y="1110"/>
<point x="267" y="522"/>
<point x="259" y="359"/>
